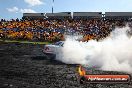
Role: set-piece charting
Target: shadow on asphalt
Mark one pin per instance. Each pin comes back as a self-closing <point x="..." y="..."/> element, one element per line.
<point x="47" y="59"/>
<point x="39" y="58"/>
<point x="51" y="61"/>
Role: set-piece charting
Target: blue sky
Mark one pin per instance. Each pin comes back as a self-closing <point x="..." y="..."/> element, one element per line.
<point x="14" y="8"/>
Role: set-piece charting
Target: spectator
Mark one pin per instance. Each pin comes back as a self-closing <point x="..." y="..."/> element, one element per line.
<point x="54" y="30"/>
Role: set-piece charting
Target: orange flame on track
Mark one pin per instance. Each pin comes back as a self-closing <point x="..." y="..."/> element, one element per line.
<point x="81" y="71"/>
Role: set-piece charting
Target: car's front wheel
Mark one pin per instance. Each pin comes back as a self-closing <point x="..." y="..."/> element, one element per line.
<point x="50" y="56"/>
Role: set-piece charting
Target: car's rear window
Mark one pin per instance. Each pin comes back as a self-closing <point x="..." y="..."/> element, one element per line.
<point x="57" y="43"/>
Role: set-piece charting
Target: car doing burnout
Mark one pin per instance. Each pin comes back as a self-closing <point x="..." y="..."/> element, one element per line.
<point x="52" y="50"/>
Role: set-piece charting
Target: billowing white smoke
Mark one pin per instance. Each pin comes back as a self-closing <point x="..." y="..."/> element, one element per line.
<point x="113" y="53"/>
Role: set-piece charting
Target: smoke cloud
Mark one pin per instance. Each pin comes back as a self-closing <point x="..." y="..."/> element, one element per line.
<point x="113" y="53"/>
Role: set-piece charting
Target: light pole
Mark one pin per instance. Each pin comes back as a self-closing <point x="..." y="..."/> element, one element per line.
<point x="53" y="7"/>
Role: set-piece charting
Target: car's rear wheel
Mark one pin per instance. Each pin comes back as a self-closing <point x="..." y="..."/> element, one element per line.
<point x="51" y="56"/>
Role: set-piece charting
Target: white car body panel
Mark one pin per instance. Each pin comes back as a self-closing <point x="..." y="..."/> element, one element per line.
<point x="53" y="48"/>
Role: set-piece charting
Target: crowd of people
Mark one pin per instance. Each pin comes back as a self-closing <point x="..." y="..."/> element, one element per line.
<point x="52" y="30"/>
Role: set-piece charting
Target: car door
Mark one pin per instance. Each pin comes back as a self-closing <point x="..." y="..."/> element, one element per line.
<point x="59" y="47"/>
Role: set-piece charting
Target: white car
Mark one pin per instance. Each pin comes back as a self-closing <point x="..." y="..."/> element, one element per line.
<point x="52" y="49"/>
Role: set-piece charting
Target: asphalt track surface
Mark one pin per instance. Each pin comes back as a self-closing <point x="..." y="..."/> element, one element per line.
<point x="25" y="66"/>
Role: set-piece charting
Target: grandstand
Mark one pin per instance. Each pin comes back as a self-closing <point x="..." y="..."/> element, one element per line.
<point x="81" y="15"/>
<point x="53" y="26"/>
<point x="87" y="15"/>
<point x="118" y="15"/>
<point x="61" y="15"/>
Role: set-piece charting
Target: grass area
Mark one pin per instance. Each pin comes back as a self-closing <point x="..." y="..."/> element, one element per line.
<point x="28" y="42"/>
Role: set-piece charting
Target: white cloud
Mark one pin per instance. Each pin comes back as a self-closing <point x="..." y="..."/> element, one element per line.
<point x="27" y="11"/>
<point x="17" y="10"/>
<point x="34" y="2"/>
<point x="14" y="9"/>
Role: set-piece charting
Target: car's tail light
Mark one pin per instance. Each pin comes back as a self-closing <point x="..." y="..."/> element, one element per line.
<point x="46" y="48"/>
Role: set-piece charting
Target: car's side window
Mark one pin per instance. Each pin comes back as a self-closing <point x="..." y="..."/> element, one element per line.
<point x="59" y="44"/>
<point x="62" y="44"/>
